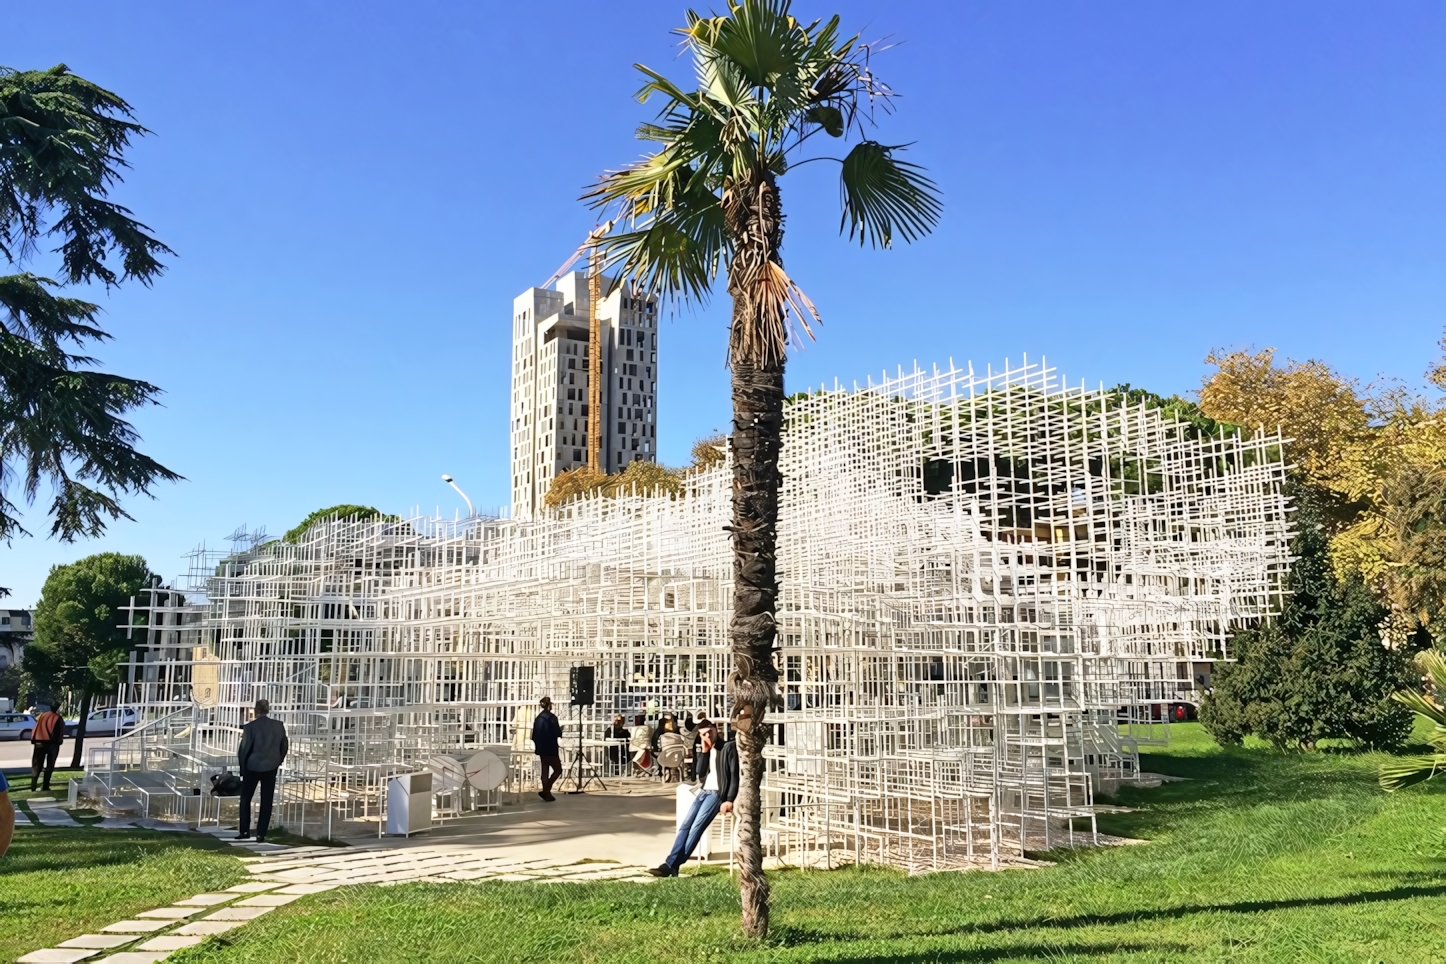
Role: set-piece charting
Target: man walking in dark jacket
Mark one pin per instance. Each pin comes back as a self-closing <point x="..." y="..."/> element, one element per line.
<point x="546" y="731"/>
<point x="263" y="748"/>
<point x="717" y="770"/>
<point x="45" y="739"/>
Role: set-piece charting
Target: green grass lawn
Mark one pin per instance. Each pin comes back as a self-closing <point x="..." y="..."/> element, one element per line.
<point x="59" y="785"/>
<point x="57" y="883"/>
<point x="1258" y="857"/>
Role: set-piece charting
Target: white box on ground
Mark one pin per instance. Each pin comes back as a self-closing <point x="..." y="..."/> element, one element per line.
<point x="409" y="803"/>
<point x="686" y="794"/>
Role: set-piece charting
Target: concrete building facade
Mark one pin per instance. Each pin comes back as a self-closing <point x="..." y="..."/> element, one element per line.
<point x="550" y="417"/>
<point x="16" y="629"/>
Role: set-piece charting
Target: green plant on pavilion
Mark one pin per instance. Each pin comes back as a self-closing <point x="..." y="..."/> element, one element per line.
<point x="707" y="200"/>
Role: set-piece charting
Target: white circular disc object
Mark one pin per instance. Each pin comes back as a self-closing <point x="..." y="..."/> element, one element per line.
<point x="485" y="771"/>
<point x="448" y="772"/>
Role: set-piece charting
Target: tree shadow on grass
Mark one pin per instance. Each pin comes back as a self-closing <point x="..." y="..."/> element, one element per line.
<point x="1039" y="952"/>
<point x="1172" y="913"/>
<point x="788" y="936"/>
<point x="785" y="935"/>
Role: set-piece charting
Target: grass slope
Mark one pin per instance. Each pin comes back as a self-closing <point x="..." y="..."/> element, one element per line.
<point x="1258" y="857"/>
<point x="57" y="883"/>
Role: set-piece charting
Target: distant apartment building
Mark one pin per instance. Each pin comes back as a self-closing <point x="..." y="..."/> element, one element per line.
<point x="16" y="629"/>
<point x="550" y="416"/>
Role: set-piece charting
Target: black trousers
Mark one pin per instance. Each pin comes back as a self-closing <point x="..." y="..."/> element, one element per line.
<point x="249" y="781"/>
<point x="551" y="770"/>
<point x="42" y="758"/>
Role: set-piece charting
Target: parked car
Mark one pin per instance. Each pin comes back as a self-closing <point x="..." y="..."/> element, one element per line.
<point x="16" y="726"/>
<point x="105" y="722"/>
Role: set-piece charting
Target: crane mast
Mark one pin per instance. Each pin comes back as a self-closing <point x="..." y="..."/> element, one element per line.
<point x="593" y="418"/>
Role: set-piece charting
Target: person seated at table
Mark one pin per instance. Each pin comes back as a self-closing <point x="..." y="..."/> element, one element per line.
<point x="618" y="737"/>
<point x="663" y="721"/>
<point x="672" y="749"/>
<point x="640" y="742"/>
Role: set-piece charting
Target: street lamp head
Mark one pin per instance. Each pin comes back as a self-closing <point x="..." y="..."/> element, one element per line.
<point x="446" y="477"/>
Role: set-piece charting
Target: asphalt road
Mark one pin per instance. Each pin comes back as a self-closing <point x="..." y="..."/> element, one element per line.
<point x="16" y="753"/>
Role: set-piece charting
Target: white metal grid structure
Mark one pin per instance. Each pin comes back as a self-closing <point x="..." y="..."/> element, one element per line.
<point x="992" y="584"/>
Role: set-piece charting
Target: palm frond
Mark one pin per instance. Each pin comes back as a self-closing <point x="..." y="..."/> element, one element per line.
<point x="1433" y="664"/>
<point x="1421" y="706"/>
<point x="658" y="84"/>
<point x="1399" y="774"/>
<point x="883" y="196"/>
<point x="1408" y="772"/>
<point x="791" y="300"/>
<point x="759" y="36"/>
<point x="675" y="251"/>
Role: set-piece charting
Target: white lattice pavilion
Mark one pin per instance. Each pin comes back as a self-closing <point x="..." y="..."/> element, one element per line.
<point x="991" y="582"/>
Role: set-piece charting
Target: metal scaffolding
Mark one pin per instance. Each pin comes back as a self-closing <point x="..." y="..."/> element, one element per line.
<point x="993" y="588"/>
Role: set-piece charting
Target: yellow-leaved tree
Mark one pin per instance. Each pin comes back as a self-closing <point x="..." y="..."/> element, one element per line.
<point x="1377" y="462"/>
<point x="1318" y="409"/>
<point x="1376" y="459"/>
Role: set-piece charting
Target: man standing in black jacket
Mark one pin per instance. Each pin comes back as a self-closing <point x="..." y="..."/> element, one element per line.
<point x="263" y="748"/>
<point x="717" y="773"/>
<point x="546" y="731"/>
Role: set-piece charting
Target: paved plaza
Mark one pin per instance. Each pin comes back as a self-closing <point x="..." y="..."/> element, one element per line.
<point x="612" y="834"/>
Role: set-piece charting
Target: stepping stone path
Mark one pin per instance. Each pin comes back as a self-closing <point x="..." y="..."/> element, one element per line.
<point x="281" y="875"/>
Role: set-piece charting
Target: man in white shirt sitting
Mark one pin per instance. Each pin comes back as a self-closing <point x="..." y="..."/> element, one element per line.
<point x="717" y="773"/>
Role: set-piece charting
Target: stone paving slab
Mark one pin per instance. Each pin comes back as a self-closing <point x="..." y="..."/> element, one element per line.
<point x="238" y="913"/>
<point x="134" y="957"/>
<point x="268" y="900"/>
<point x="171" y="942"/>
<point x="170" y="913"/>
<point x="209" y="927"/>
<point x="252" y="887"/>
<point x="53" y="817"/>
<point x="56" y="955"/>
<point x="136" y="926"/>
<point x="205" y="900"/>
<point x="303" y="889"/>
<point x="100" y="942"/>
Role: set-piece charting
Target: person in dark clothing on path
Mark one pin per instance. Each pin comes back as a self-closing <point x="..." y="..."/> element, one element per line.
<point x="263" y="749"/>
<point x="717" y="771"/>
<point x="546" y="731"/>
<point x="45" y="740"/>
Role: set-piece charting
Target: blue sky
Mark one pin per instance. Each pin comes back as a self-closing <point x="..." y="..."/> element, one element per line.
<point x="356" y="192"/>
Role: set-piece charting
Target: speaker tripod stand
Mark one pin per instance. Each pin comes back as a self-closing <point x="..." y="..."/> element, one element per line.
<point x="580" y="771"/>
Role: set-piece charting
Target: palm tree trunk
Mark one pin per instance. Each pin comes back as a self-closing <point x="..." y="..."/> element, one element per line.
<point x="757" y="430"/>
<point x="75" y="756"/>
<point x="756" y="352"/>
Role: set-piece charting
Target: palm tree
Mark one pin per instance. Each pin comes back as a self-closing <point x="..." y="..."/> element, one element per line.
<point x="708" y="198"/>
<point x="1413" y="770"/>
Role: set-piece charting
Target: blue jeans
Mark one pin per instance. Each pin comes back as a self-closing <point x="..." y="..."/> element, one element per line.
<point x="700" y="815"/>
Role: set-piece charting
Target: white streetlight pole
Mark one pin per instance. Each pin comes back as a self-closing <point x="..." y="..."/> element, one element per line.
<point x="471" y="512"/>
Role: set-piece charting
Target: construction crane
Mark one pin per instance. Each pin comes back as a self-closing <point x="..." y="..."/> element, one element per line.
<point x="593" y="417"/>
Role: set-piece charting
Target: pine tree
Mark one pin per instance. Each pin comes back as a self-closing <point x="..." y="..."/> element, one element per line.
<point x="1320" y="669"/>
